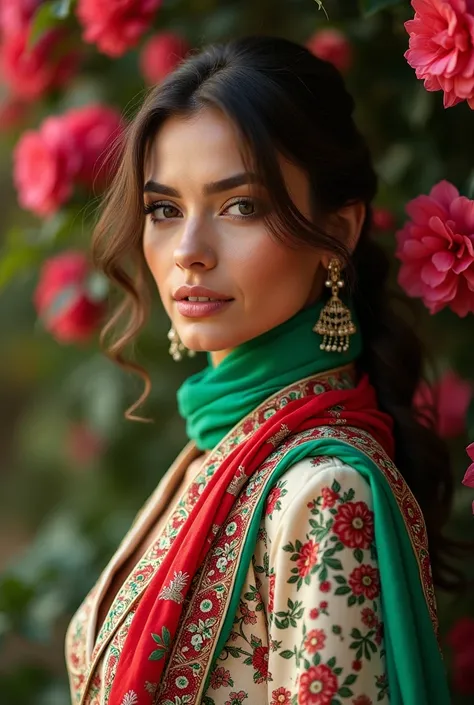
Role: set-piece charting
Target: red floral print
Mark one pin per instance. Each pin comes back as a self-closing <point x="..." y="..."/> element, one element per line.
<point x="272" y="500"/>
<point x="315" y="641"/>
<point x="356" y="665"/>
<point x="323" y="605"/>
<point x="318" y="686"/>
<point x="379" y="634"/>
<point x="325" y="586"/>
<point x="281" y="696"/>
<point x="365" y="581"/>
<point x="369" y="618"/>
<point x="260" y="660"/>
<point x="271" y="591"/>
<point x="314" y="614"/>
<point x="354" y="525"/>
<point x="362" y="700"/>
<point x="249" y="616"/>
<point x="236" y="698"/>
<point x="329" y="498"/>
<point x="308" y="556"/>
<point x="220" y="677"/>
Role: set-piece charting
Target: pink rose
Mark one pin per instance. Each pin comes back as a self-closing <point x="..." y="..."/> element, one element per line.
<point x="62" y="301"/>
<point x="332" y="45"/>
<point x="115" y="26"/>
<point x="15" y="15"/>
<point x="383" y="219"/>
<point x="161" y="55"/>
<point x="468" y="478"/>
<point x="436" y="249"/>
<point x="94" y="129"/>
<point x="442" y="47"/>
<point x="450" y="397"/>
<point x="461" y="640"/>
<point x="45" y="165"/>
<point x="30" y="73"/>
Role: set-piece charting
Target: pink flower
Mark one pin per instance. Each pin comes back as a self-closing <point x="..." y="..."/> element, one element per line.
<point x="115" y="26"/>
<point x="15" y="15"/>
<point x="442" y="47"/>
<point x="450" y="397"/>
<point x="161" y="55"/>
<point x="468" y="478"/>
<point x="94" y="129"/>
<point x="461" y="640"/>
<point x="383" y="219"/>
<point x="331" y="45"/>
<point x="436" y="249"/>
<point x="45" y="166"/>
<point x="32" y="72"/>
<point x="62" y="301"/>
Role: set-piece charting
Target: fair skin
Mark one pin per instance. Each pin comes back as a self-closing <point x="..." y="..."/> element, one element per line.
<point x="195" y="239"/>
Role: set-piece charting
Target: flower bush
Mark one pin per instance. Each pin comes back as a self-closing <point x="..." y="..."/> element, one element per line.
<point x="72" y="73"/>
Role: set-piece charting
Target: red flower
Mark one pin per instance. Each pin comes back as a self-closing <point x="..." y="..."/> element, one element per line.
<point x="365" y="581"/>
<point x="236" y="698"/>
<point x="271" y="591"/>
<point x="323" y="605"/>
<point x="369" y="618"/>
<point x="461" y="640"/>
<point x="260" y="661"/>
<point x="272" y="499"/>
<point x="161" y="55"/>
<point x="325" y="586"/>
<point x="281" y="696"/>
<point x="468" y="478"/>
<point x="329" y="497"/>
<point x="94" y="130"/>
<point x="15" y="15"/>
<point x="115" y="26"/>
<point x="62" y="301"/>
<point x="47" y="152"/>
<point x="356" y="665"/>
<point x="383" y="219"/>
<point x="436" y="249"/>
<point x="249" y="616"/>
<point x="32" y="72"/>
<point x="314" y="614"/>
<point x="315" y="641"/>
<point x="379" y="633"/>
<point x="307" y="557"/>
<point x="332" y="45"/>
<point x="450" y="398"/>
<point x="442" y="47"/>
<point x="318" y="685"/>
<point x="362" y="700"/>
<point x="220" y="677"/>
<point x="354" y="525"/>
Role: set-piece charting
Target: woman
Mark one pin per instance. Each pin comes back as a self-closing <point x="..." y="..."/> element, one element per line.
<point x="284" y="557"/>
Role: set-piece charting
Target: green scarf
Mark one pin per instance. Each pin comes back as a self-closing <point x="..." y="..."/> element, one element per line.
<point x="214" y="400"/>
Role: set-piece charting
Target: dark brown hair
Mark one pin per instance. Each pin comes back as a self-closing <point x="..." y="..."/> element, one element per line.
<point x="282" y="99"/>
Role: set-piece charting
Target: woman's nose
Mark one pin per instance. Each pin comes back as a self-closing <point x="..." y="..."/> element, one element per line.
<point x="194" y="250"/>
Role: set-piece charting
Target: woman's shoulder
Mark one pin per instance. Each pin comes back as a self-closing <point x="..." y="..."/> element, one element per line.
<point x="313" y="490"/>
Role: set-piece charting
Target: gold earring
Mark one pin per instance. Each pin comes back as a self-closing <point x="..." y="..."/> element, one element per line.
<point x="177" y="349"/>
<point x="335" y="322"/>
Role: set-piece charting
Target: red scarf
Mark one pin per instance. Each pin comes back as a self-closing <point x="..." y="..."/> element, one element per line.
<point x="157" y="615"/>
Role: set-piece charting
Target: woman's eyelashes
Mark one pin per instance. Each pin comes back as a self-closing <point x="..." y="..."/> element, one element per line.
<point x="246" y="208"/>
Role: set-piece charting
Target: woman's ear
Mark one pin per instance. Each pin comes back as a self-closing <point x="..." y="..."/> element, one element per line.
<point x="346" y="224"/>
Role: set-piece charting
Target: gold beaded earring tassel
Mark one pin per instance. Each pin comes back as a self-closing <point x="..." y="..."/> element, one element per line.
<point x="177" y="349"/>
<point x="335" y="323"/>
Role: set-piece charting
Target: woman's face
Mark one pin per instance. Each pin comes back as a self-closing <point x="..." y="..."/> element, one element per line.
<point x="200" y="232"/>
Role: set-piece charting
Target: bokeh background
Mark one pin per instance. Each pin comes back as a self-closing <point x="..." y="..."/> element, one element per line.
<point x="73" y="471"/>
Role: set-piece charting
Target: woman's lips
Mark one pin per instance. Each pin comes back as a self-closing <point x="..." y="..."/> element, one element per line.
<point x="200" y="309"/>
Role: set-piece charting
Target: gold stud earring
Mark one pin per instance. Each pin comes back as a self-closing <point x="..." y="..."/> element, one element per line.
<point x="177" y="349"/>
<point x="335" y="323"/>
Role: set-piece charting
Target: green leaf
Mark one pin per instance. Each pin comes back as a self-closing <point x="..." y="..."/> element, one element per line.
<point x="15" y="261"/>
<point x="156" y="655"/>
<point x="370" y="7"/>
<point x="287" y="654"/>
<point x="358" y="555"/>
<point x="49" y="15"/>
<point x="343" y="590"/>
<point x="351" y="678"/>
<point x="345" y="692"/>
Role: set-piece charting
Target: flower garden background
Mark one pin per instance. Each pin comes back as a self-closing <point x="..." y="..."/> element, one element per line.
<point x="73" y="471"/>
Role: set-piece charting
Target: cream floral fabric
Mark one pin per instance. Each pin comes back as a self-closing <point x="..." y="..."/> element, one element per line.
<point x="309" y="628"/>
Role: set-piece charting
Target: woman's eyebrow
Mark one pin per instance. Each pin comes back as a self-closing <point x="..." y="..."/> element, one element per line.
<point x="209" y="189"/>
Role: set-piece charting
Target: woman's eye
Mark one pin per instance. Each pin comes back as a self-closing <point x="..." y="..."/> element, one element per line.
<point x="245" y="208"/>
<point x="161" y="211"/>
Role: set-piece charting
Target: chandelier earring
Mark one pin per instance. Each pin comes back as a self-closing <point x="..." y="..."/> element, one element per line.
<point x="335" y="323"/>
<point x="177" y="349"/>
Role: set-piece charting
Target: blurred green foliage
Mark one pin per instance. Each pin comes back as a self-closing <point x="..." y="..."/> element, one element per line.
<point x="65" y="501"/>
